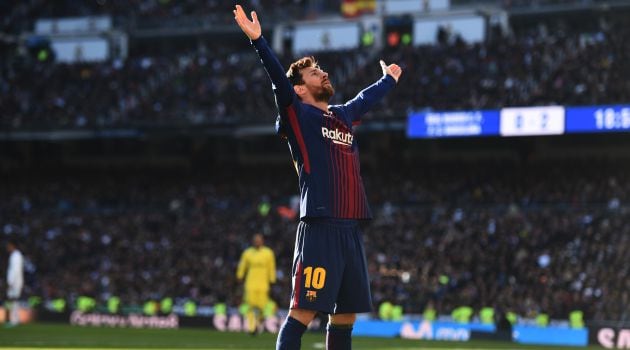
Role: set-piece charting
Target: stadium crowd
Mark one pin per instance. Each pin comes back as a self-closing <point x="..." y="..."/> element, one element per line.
<point x="543" y="238"/>
<point x="534" y="66"/>
<point x="20" y="14"/>
<point x="192" y="89"/>
<point x="527" y="239"/>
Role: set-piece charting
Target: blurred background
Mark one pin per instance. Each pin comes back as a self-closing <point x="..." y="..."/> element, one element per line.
<point x="138" y="157"/>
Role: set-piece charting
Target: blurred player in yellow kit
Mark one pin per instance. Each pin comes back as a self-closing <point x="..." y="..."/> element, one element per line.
<point x="258" y="267"/>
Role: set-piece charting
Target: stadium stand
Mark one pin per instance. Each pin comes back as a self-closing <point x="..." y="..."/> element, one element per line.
<point x="535" y="242"/>
<point x="536" y="236"/>
<point x="537" y="65"/>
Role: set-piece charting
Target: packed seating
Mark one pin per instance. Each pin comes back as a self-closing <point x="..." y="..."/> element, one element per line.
<point x="227" y="85"/>
<point x="529" y="239"/>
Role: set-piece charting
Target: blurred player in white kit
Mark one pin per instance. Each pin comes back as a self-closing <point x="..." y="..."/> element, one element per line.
<point x="15" y="282"/>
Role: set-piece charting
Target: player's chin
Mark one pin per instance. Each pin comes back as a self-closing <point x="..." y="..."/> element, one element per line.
<point x="324" y="96"/>
<point x="329" y="89"/>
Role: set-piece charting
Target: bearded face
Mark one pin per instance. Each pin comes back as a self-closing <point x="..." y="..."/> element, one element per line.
<point x="317" y="83"/>
<point x="324" y="92"/>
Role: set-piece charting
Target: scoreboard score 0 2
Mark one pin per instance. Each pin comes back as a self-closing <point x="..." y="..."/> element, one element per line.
<point x="531" y="121"/>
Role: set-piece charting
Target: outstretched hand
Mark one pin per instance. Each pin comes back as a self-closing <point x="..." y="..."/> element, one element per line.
<point x="393" y="69"/>
<point x="250" y="28"/>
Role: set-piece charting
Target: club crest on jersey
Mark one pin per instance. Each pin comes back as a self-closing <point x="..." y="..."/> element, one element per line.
<point x="338" y="137"/>
<point x="311" y="295"/>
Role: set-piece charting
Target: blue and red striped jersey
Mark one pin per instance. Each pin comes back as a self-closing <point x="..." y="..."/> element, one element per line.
<point x="322" y="144"/>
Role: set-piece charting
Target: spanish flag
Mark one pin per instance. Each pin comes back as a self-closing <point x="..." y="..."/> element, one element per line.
<point x="355" y="8"/>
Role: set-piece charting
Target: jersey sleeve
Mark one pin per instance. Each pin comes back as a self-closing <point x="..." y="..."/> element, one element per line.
<point x="272" y="267"/>
<point x="286" y="99"/>
<point x="282" y="87"/>
<point x="242" y="266"/>
<point x="367" y="98"/>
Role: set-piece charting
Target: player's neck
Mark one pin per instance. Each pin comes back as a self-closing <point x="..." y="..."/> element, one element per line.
<point x="323" y="105"/>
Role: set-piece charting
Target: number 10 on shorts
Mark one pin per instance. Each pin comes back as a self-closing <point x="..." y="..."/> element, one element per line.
<point x="315" y="277"/>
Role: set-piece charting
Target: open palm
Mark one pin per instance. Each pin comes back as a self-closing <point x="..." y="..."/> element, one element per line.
<point x="250" y="28"/>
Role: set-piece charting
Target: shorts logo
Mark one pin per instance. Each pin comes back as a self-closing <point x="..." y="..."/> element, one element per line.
<point x="311" y="295"/>
<point x="338" y="137"/>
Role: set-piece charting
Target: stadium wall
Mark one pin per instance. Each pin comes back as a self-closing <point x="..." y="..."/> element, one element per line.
<point x="438" y="331"/>
<point x="610" y="337"/>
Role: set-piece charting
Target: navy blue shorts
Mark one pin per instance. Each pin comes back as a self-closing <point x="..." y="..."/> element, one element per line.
<point x="329" y="268"/>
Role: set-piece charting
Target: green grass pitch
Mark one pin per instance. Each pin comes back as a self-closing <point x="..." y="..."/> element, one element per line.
<point x="38" y="336"/>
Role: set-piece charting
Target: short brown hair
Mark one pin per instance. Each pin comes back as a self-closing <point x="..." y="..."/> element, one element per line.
<point x="294" y="75"/>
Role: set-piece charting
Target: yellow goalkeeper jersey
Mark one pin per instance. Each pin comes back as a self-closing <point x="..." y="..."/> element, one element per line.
<point x="258" y="266"/>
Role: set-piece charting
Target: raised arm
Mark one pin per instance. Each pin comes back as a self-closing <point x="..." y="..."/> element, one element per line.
<point x="243" y="265"/>
<point x="281" y="85"/>
<point x="272" y="267"/>
<point x="369" y="96"/>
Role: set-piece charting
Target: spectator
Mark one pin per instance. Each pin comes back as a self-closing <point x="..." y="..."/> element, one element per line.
<point x="524" y="240"/>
